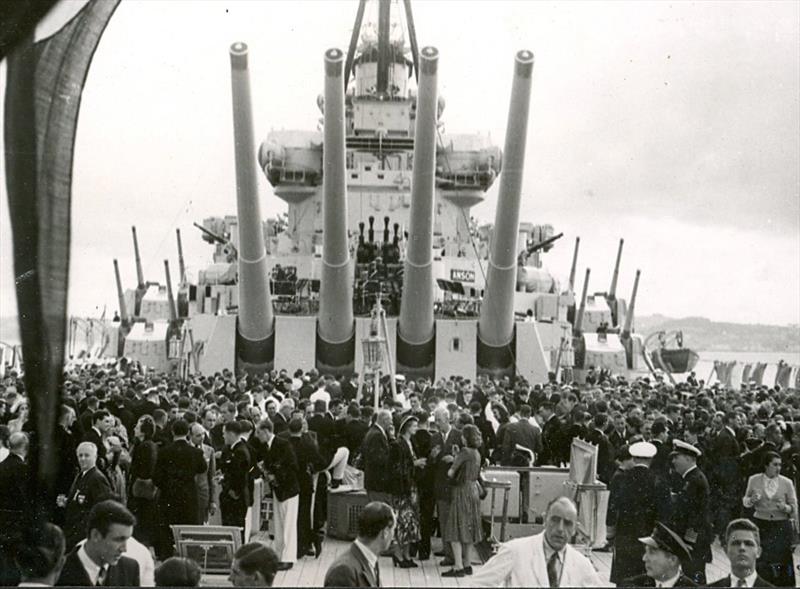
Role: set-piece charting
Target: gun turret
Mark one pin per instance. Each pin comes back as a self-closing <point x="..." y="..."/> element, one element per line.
<point x="612" y="292"/>
<point x="181" y="266"/>
<point x="173" y="311"/>
<point x="574" y="265"/>
<point x="626" y="331"/>
<point x="415" y="342"/>
<point x="577" y="328"/>
<point x="123" y="310"/>
<point x="496" y="324"/>
<point x="255" y="324"/>
<point x="335" y="327"/>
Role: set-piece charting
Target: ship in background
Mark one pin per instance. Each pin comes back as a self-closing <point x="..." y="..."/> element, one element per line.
<point x="378" y="209"/>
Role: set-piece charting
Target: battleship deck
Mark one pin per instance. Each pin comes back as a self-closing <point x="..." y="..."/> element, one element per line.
<point x="310" y="572"/>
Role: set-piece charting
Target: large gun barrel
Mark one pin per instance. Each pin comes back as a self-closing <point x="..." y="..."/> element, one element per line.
<point x="255" y="325"/>
<point x="612" y="293"/>
<point x="416" y="344"/>
<point x="173" y="311"/>
<point x="574" y="265"/>
<point x="139" y="272"/>
<point x="496" y="323"/>
<point x="626" y="331"/>
<point x="335" y="328"/>
<point x="578" y="327"/>
<point x="181" y="265"/>
<point x="123" y="309"/>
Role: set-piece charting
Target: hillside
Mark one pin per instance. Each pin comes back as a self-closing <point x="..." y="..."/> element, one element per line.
<point x="703" y="334"/>
<point x="699" y="333"/>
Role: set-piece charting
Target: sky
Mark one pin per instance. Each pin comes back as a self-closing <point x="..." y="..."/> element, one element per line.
<point x="673" y="125"/>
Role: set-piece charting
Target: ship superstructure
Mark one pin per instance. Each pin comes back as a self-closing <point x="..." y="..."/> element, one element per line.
<point x="378" y="207"/>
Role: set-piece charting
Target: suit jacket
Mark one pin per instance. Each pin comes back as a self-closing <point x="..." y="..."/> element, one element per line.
<point x="690" y="514"/>
<point x="441" y="482"/>
<point x="523" y="433"/>
<point x="552" y="434"/>
<point x="309" y="461"/>
<point x="726" y="582"/>
<point x="206" y="484"/>
<point x="325" y="429"/>
<point x="350" y="569"/>
<point x="605" y="454"/>
<point x="14" y="498"/>
<point x="92" y="436"/>
<point x="123" y="574"/>
<point x="65" y="445"/>
<point x="724" y="453"/>
<point x="520" y="563"/>
<point x="88" y="489"/>
<point x="637" y="500"/>
<point x="375" y="452"/>
<point x="354" y="431"/>
<point x="236" y="464"/>
<point x="645" y="581"/>
<point x="279" y="424"/>
<point x="176" y="467"/>
<point x="660" y="465"/>
<point x="279" y="461"/>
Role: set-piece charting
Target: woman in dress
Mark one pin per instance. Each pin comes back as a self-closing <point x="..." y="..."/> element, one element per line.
<point x="464" y="526"/>
<point x="405" y="465"/>
<point x="143" y="464"/>
<point x="774" y="499"/>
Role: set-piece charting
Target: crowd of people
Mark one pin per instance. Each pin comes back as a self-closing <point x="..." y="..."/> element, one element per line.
<point x="140" y="452"/>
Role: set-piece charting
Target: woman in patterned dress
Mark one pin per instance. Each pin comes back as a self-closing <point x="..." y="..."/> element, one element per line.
<point x="405" y="463"/>
<point x="464" y="527"/>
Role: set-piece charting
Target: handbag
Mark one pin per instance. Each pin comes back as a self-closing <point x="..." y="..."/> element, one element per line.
<point x="483" y="492"/>
<point x="144" y="489"/>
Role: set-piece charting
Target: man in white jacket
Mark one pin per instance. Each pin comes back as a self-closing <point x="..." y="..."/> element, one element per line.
<point x="544" y="560"/>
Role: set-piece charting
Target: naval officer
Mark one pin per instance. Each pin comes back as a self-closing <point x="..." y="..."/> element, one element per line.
<point x="638" y="499"/>
<point x="664" y="552"/>
<point x="690" y="509"/>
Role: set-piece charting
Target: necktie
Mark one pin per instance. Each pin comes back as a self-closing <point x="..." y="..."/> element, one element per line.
<point x="101" y="577"/>
<point x="552" y="570"/>
<point x="377" y="575"/>
<point x="741" y="582"/>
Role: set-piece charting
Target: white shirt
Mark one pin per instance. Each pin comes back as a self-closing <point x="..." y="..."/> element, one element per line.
<point x="749" y="579"/>
<point x="320" y="395"/>
<point x="91" y="567"/>
<point x="141" y="554"/>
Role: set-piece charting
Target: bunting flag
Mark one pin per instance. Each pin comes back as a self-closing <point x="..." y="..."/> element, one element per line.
<point x="45" y="81"/>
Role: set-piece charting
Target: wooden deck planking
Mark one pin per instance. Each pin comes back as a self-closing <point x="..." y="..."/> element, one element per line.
<point x="310" y="572"/>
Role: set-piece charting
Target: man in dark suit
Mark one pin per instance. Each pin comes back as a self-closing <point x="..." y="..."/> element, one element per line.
<point x="551" y="436"/>
<point x="636" y="502"/>
<point x="354" y="430"/>
<point x="280" y="465"/>
<point x="89" y="488"/>
<point x="65" y="446"/>
<point x="619" y="433"/>
<point x="101" y="424"/>
<point x="605" y="450"/>
<point x="664" y="552"/>
<point x="309" y="463"/>
<point x="358" y="565"/>
<point x="176" y="467"/>
<point x="444" y="444"/>
<point x="99" y="561"/>
<point x="690" y="510"/>
<point x="743" y="546"/>
<point x="375" y="452"/>
<point x="726" y="492"/>
<point x="526" y="435"/>
<point x="661" y="461"/>
<point x="236" y="495"/>
<point x="15" y="504"/>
